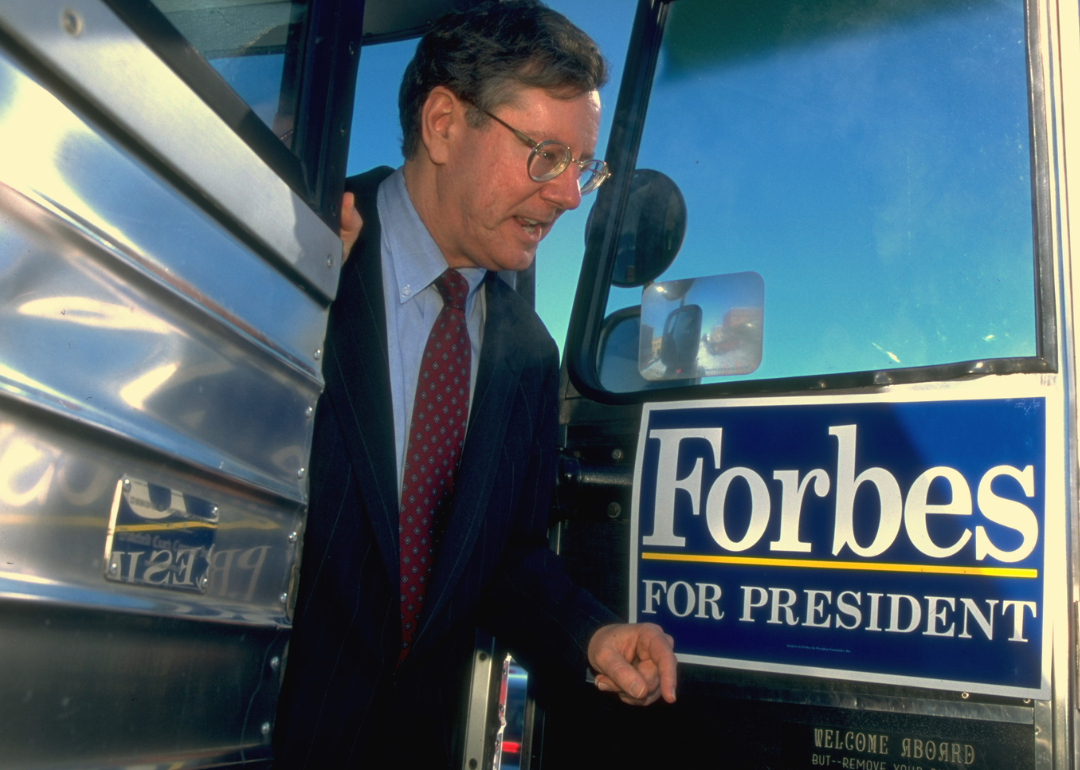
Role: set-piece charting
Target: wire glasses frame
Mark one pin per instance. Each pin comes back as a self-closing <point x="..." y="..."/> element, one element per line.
<point x="549" y="158"/>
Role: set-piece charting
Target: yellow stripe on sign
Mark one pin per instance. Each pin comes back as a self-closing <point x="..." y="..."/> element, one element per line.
<point x="927" y="569"/>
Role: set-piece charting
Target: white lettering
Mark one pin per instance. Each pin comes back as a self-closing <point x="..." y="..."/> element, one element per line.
<point x="708" y="596"/>
<point x="750" y="603"/>
<point x="1007" y="513"/>
<point x="652" y="595"/>
<point x="917" y="509"/>
<point x="847" y="484"/>
<point x="689" y="599"/>
<point x="851" y="610"/>
<point x="894" y="613"/>
<point x="814" y="608"/>
<point x="667" y="484"/>
<point x="934" y="616"/>
<point x="759" y="509"/>
<point x="1018" y="617"/>
<point x="791" y="507"/>
<point x="785" y="605"/>
<point x="986" y="624"/>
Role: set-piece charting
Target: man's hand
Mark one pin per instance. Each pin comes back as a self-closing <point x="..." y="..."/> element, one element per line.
<point x="350" y="225"/>
<point x="637" y="661"/>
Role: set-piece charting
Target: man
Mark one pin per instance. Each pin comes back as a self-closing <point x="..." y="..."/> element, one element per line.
<point x="500" y="117"/>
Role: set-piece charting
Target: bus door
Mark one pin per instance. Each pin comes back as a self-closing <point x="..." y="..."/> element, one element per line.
<point x="819" y="416"/>
<point x="170" y="177"/>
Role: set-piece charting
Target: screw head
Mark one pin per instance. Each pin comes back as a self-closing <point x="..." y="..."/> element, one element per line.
<point x="214" y="511"/>
<point x="613" y="510"/>
<point x="301" y="473"/>
<point x="204" y="582"/>
<point x="309" y="413"/>
<point x="318" y="354"/>
<point x="293" y="537"/>
<point x="275" y="663"/>
<point x="127" y="485"/>
<point x="284" y="598"/>
<point x="71" y="22"/>
<point x="964" y="695"/>
<point x="114" y="568"/>
<point x="265" y="729"/>
<point x="616" y="454"/>
<point x="329" y="260"/>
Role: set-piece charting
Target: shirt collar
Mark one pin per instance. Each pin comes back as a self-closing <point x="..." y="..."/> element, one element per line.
<point x="417" y="259"/>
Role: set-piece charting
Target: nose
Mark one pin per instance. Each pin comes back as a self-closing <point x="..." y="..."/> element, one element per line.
<point x="563" y="190"/>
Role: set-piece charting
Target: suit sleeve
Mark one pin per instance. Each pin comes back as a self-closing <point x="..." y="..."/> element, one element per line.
<point x="532" y="605"/>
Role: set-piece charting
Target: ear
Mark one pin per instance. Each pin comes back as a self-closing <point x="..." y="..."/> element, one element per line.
<point x="440" y="118"/>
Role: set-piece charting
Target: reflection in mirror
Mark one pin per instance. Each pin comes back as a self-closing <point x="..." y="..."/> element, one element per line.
<point x="652" y="231"/>
<point x="702" y="327"/>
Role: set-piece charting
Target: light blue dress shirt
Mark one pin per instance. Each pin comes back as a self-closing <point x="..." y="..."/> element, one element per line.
<point x="410" y="264"/>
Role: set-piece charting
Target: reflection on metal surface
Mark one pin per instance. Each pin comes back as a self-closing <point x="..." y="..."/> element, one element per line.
<point x="152" y="103"/>
<point x="174" y="531"/>
<point x="89" y="312"/>
<point x="702" y="327"/>
<point x="66" y="515"/>
<point x="125" y="307"/>
<point x="86" y="654"/>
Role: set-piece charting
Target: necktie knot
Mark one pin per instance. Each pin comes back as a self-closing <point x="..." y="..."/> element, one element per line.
<point x="453" y="287"/>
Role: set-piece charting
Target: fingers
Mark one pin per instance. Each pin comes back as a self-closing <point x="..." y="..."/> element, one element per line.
<point x="637" y="662"/>
<point x="351" y="223"/>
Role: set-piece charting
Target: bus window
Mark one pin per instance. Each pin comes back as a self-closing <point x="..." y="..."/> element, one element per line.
<point x="254" y="47"/>
<point x="871" y="164"/>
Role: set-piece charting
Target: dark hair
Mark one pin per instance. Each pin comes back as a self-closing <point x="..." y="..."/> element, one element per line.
<point x="484" y="55"/>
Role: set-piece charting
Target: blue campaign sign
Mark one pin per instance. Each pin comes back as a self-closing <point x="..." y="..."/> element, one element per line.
<point x="898" y="542"/>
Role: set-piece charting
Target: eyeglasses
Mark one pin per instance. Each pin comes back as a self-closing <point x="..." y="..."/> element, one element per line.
<point x="549" y="158"/>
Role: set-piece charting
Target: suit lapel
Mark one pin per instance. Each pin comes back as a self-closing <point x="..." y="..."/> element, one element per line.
<point x="357" y="373"/>
<point x="496" y="380"/>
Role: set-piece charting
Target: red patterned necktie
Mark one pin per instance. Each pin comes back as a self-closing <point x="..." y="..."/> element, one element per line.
<point x="433" y="452"/>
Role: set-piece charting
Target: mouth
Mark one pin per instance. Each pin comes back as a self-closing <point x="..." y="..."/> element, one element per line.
<point x="533" y="228"/>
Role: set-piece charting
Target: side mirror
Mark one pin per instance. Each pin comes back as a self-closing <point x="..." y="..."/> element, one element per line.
<point x="652" y="231"/>
<point x="619" y="352"/>
<point x="729" y="308"/>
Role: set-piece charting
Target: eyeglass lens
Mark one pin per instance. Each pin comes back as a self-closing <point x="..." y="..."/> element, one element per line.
<point x="550" y="158"/>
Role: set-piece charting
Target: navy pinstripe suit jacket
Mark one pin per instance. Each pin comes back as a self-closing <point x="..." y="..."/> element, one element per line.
<point x="344" y="702"/>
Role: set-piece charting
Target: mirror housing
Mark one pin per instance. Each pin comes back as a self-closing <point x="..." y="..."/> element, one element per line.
<point x="652" y="231"/>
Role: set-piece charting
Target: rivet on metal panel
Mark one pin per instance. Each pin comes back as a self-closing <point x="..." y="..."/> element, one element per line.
<point x="71" y="22"/>
<point x="309" y="413"/>
<point x="127" y="485"/>
<point x="214" y="510"/>
<point x="265" y="728"/>
<point x="114" y="568"/>
<point x="318" y="354"/>
<point x="964" y="695"/>
<point x="301" y="473"/>
<point x="293" y="537"/>
<point x="616" y="454"/>
<point x="203" y="582"/>
<point x="275" y="663"/>
<point x="284" y="598"/>
<point x="613" y="510"/>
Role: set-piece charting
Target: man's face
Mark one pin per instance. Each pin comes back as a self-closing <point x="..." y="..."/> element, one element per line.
<point x="491" y="213"/>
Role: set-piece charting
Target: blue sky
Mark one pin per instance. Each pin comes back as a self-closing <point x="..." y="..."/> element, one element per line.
<point x="877" y="178"/>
